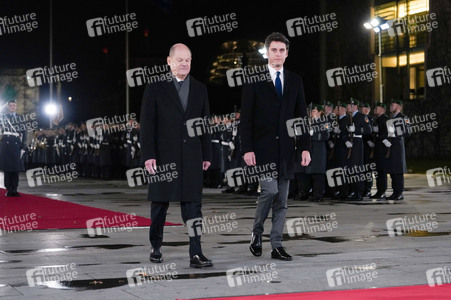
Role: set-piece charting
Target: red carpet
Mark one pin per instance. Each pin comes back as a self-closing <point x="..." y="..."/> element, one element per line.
<point x="416" y="292"/>
<point x="34" y="212"/>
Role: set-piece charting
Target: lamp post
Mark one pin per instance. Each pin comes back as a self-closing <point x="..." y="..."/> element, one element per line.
<point x="378" y="24"/>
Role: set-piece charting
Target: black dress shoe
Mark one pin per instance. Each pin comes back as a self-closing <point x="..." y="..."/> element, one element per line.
<point x="304" y="196"/>
<point x="378" y="196"/>
<point x="240" y="190"/>
<point x="9" y="194"/>
<point x="396" y="197"/>
<point x="15" y="193"/>
<point x="256" y="244"/>
<point x="228" y="190"/>
<point x="366" y="194"/>
<point x="200" y="262"/>
<point x="280" y="253"/>
<point x="156" y="256"/>
<point x="355" y="197"/>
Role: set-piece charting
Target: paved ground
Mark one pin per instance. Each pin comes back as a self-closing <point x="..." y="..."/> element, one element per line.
<point x="350" y="237"/>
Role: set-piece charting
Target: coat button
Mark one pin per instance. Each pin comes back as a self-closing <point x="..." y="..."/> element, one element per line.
<point x="184" y="141"/>
<point x="277" y="137"/>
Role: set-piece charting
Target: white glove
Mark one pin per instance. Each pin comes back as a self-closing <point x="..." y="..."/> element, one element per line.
<point x="351" y="128"/>
<point x="348" y="144"/>
<point x="375" y="129"/>
<point x="231" y="145"/>
<point x="139" y="145"/>
<point x="22" y="151"/>
<point x="311" y="132"/>
<point x="370" y="143"/>
<point x="331" y="144"/>
<point x="386" y="143"/>
<point x="391" y="129"/>
<point x="337" y="129"/>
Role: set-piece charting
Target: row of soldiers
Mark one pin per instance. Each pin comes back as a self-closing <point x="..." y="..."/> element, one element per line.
<point x="102" y="151"/>
<point x="349" y="147"/>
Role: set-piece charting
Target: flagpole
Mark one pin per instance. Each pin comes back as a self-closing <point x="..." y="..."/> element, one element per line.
<point x="127" y="92"/>
<point x="51" y="58"/>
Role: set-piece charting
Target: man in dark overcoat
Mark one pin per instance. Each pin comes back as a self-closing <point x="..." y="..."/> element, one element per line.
<point x="174" y="139"/>
<point x="11" y="148"/>
<point x="266" y="106"/>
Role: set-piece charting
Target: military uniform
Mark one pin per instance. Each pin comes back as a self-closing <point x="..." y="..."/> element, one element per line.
<point x="368" y="152"/>
<point x="319" y="134"/>
<point x="397" y="130"/>
<point x="380" y="153"/>
<point x="11" y="146"/>
<point x="360" y="125"/>
<point x="340" y="143"/>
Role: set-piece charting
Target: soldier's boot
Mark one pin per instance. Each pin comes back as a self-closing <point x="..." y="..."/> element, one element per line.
<point x="9" y="193"/>
<point x="15" y="193"/>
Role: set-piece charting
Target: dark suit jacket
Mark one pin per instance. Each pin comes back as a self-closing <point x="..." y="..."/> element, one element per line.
<point x="164" y="137"/>
<point x="263" y="122"/>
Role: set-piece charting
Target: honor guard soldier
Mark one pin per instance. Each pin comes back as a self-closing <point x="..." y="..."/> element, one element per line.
<point x="319" y="135"/>
<point x="398" y="130"/>
<point x="368" y="147"/>
<point x="11" y="149"/>
<point x="381" y="149"/>
<point x="359" y="125"/>
<point x="331" y="118"/>
<point x="339" y="144"/>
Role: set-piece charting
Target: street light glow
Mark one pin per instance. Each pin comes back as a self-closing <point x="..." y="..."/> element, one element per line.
<point x="374" y="22"/>
<point x="385" y="26"/>
<point x="50" y="109"/>
<point x="367" y="25"/>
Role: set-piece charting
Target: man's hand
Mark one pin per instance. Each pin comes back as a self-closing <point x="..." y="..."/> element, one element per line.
<point x="249" y="158"/>
<point x="151" y="165"/>
<point x="305" y="158"/>
<point x="205" y="165"/>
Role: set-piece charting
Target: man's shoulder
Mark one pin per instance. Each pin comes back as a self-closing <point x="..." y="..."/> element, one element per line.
<point x="292" y="75"/>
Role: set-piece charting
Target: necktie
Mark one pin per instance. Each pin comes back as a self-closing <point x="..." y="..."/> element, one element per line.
<point x="278" y="85"/>
<point x="180" y="84"/>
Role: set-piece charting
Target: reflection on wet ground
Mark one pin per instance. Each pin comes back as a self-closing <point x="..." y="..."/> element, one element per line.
<point x="69" y="248"/>
<point x="139" y="279"/>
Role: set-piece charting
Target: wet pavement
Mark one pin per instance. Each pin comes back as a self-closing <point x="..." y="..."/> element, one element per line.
<point x="353" y="236"/>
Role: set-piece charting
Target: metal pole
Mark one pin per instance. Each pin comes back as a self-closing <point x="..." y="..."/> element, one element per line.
<point x="127" y="94"/>
<point x="51" y="58"/>
<point x="381" y="85"/>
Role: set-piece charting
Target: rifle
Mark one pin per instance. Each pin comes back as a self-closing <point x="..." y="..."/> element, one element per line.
<point x="371" y="156"/>
<point x="352" y="137"/>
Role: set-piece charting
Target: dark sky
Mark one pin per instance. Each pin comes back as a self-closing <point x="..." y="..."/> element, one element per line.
<point x="100" y="88"/>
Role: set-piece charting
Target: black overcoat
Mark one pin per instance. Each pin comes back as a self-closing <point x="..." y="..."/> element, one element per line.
<point x="165" y="137"/>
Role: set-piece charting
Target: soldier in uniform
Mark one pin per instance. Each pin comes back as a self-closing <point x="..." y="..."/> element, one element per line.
<point x="11" y="149"/>
<point x="215" y="168"/>
<point x="359" y="125"/>
<point x="368" y="147"/>
<point x="380" y="149"/>
<point x="52" y="150"/>
<point x="105" y="153"/>
<point x="339" y="144"/>
<point x="319" y="134"/>
<point x="398" y="130"/>
<point x="331" y="118"/>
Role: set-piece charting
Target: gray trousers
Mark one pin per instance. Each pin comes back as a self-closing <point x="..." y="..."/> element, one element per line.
<point x="274" y="195"/>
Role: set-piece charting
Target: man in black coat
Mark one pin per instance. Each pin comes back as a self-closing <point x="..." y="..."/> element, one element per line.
<point x="398" y="130"/>
<point x="368" y="146"/>
<point x="171" y="113"/>
<point x="359" y="126"/>
<point x="11" y="148"/>
<point x="340" y="144"/>
<point x="266" y="106"/>
<point x="381" y="149"/>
